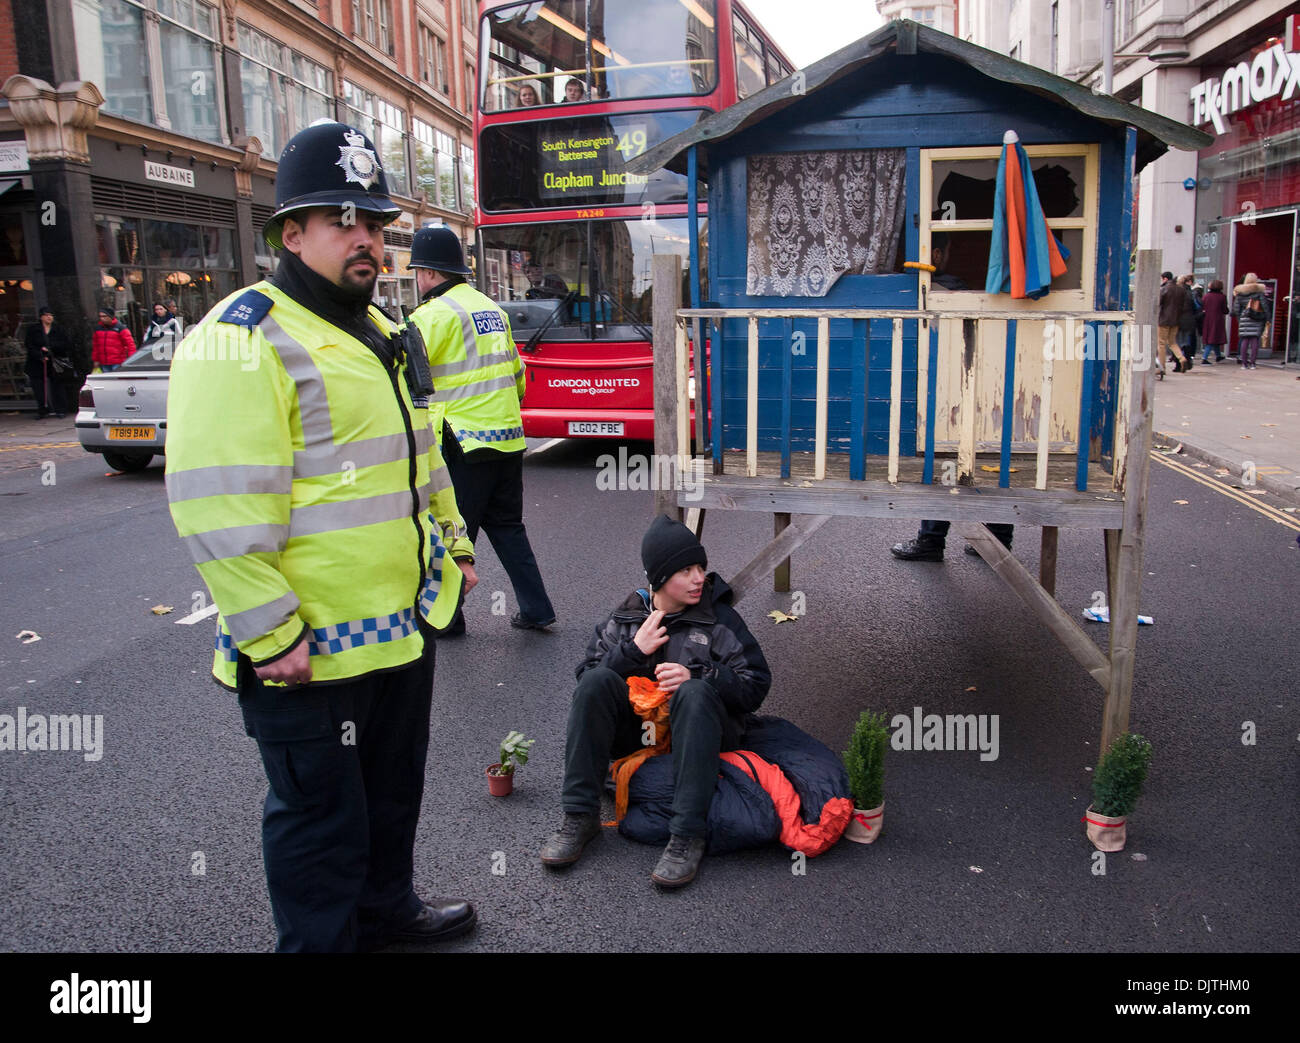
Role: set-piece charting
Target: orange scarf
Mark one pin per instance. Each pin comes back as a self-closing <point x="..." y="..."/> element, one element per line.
<point x="651" y="704"/>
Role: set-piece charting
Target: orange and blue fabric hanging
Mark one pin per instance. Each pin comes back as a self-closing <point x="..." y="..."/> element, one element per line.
<point x="1024" y="256"/>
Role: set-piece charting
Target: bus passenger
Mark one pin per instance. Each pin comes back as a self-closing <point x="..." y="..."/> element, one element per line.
<point x="528" y="96"/>
<point x="575" y="90"/>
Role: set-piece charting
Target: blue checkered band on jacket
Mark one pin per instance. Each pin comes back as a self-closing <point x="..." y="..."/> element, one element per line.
<point x="375" y="631"/>
<point x="499" y="434"/>
<point x="429" y="593"/>
<point x="225" y="645"/>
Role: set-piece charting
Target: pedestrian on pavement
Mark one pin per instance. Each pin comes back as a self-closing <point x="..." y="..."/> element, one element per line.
<point x="1253" y="311"/>
<point x="163" y="333"/>
<point x="1188" y="320"/>
<point x="1172" y="299"/>
<point x="307" y="487"/>
<point x="112" y="342"/>
<point x="683" y="632"/>
<point x="479" y="383"/>
<point x="1214" y="328"/>
<point x="49" y="358"/>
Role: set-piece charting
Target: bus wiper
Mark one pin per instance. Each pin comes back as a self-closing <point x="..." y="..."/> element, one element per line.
<point x="530" y="345"/>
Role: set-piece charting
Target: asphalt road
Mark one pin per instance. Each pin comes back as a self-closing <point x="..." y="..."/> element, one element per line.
<point x="975" y="855"/>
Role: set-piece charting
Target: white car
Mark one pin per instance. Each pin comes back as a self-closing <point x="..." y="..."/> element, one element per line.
<point x="123" y="414"/>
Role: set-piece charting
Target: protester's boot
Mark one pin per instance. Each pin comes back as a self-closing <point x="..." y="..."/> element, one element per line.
<point x="680" y="861"/>
<point x="565" y="847"/>
<point x="919" y="549"/>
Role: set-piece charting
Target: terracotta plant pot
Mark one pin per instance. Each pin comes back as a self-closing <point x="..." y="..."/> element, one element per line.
<point x="864" y="826"/>
<point x="1107" y="833"/>
<point x="500" y="785"/>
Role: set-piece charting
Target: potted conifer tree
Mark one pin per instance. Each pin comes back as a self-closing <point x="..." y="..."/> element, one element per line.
<point x="514" y="754"/>
<point x="1116" y="786"/>
<point x="864" y="762"/>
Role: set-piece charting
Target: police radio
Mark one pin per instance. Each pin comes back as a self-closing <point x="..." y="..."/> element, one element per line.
<point x="411" y="346"/>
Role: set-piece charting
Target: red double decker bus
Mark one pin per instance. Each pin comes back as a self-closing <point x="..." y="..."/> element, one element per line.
<point x="569" y="92"/>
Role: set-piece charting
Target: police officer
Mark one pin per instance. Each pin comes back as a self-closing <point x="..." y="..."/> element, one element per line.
<point x="479" y="383"/>
<point x="303" y="474"/>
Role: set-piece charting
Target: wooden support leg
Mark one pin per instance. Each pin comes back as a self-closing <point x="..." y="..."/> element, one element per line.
<point x="1047" y="560"/>
<point x="694" y="521"/>
<point x="781" y="574"/>
<point x="801" y="527"/>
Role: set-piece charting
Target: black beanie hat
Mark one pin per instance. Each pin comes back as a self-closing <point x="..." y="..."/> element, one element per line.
<point x="667" y="547"/>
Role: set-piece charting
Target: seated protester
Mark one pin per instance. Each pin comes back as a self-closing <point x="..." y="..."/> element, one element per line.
<point x="698" y="649"/>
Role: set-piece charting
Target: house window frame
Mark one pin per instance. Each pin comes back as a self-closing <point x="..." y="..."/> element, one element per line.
<point x="1080" y="299"/>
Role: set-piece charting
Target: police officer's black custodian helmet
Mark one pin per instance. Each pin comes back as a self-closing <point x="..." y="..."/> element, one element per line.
<point x="328" y="164"/>
<point x="438" y="247"/>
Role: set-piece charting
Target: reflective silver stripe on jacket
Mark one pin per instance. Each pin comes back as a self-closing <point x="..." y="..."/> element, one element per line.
<point x="228" y="480"/>
<point x="473" y="362"/>
<point x="366" y="452"/>
<point x="313" y="403"/>
<point x="478" y="387"/>
<point x="236" y="541"/>
<point x="255" y="622"/>
<point x="316" y="518"/>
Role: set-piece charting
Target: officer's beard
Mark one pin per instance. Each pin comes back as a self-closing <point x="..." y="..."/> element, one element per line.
<point x="355" y="286"/>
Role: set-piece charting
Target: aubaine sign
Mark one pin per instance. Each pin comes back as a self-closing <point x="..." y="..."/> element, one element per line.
<point x="1273" y="72"/>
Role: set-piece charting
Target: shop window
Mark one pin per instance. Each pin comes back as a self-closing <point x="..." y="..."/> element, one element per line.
<point x="284" y="92"/>
<point x="960" y="186"/>
<point x="145" y="262"/>
<point x="813" y="217"/>
<point x="385" y="125"/>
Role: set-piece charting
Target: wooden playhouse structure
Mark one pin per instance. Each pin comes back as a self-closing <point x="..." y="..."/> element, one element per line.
<point x="841" y="380"/>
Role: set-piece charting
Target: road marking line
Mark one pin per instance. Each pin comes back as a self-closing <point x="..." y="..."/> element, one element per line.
<point x="543" y="447"/>
<point x="41" y="445"/>
<point x="1268" y="512"/>
<point x="197" y="617"/>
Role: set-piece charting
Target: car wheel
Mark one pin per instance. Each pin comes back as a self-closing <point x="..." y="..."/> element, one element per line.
<point x="129" y="463"/>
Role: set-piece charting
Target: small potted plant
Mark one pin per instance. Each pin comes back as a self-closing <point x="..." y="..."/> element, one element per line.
<point x="514" y="754"/>
<point x="864" y="762"/>
<point x="1116" y="786"/>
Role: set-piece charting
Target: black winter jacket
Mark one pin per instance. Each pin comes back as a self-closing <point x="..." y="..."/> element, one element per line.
<point x="710" y="639"/>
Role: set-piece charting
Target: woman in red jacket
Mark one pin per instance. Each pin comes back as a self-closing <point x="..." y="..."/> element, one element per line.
<point x="1214" y="332"/>
<point x="113" y="343"/>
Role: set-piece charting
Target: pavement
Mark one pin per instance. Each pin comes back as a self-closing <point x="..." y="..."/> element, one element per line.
<point x="1245" y="421"/>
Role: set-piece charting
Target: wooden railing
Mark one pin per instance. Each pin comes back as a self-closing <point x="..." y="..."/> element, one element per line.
<point x="1115" y="338"/>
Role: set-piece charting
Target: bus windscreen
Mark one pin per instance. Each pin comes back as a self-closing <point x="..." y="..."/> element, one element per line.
<point x="650" y="49"/>
<point x="582" y="280"/>
<point x="578" y="162"/>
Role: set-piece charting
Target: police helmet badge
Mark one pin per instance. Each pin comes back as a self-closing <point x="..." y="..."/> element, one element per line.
<point x="360" y="165"/>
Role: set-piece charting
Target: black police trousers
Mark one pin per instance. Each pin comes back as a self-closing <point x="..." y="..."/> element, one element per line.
<point x="603" y="726"/>
<point x="490" y="493"/>
<point x="345" y="763"/>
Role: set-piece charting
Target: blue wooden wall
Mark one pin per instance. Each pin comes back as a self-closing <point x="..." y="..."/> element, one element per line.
<point x="912" y="102"/>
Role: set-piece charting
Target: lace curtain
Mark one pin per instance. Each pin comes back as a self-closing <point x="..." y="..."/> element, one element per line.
<point x="815" y="215"/>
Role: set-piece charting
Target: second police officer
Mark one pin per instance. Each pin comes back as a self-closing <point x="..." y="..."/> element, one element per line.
<point x="479" y="381"/>
<point x="304" y="477"/>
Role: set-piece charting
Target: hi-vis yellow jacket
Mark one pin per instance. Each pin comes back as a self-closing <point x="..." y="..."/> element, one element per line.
<point x="478" y="378"/>
<point x="310" y="489"/>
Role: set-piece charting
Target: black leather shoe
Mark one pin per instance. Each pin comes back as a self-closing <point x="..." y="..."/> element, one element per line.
<point x="520" y="623"/>
<point x="917" y="550"/>
<point x="680" y="861"/>
<point x="565" y="847"/>
<point x="445" y="918"/>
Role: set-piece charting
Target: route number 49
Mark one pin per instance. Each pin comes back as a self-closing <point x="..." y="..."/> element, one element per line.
<point x="632" y="143"/>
